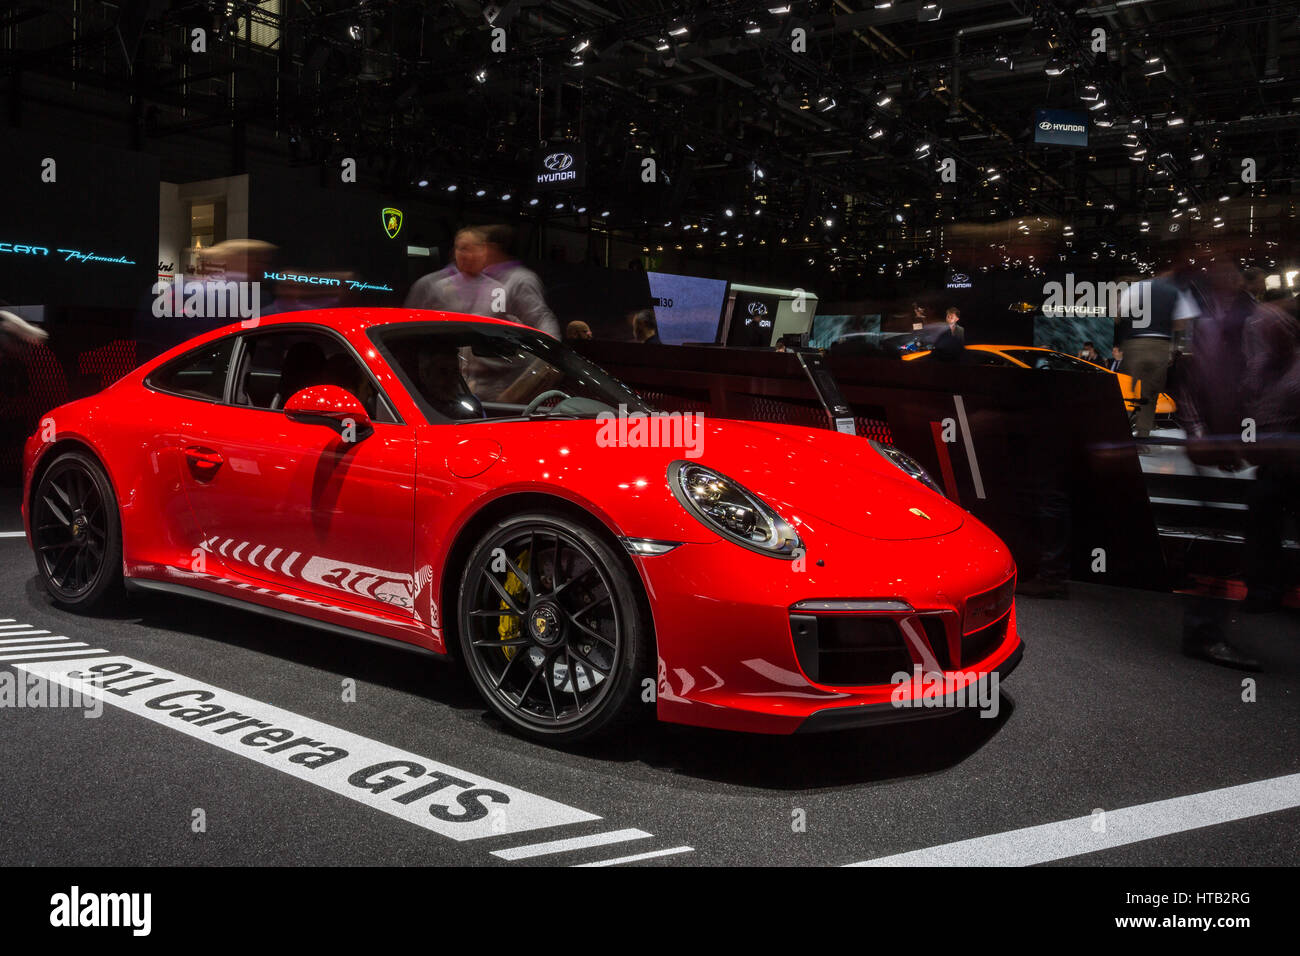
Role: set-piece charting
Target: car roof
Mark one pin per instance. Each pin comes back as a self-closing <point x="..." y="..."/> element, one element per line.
<point x="364" y="317"/>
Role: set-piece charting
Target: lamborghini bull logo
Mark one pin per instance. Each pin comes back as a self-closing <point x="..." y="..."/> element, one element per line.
<point x="392" y="221"/>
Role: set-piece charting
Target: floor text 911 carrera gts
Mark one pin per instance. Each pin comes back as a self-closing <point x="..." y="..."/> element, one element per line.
<point x="449" y="482"/>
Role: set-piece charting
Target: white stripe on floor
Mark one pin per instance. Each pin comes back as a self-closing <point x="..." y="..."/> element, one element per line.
<point x="13" y="534"/>
<point x="573" y="843"/>
<point x="640" y="856"/>
<point x="91" y="652"/>
<point x="1146" y="821"/>
<point x="22" y="634"/>
<point x="39" y="646"/>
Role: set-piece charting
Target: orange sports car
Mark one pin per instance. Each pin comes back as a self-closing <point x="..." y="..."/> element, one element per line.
<point x="1031" y="356"/>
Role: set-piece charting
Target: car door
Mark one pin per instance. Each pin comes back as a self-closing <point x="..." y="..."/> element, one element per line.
<point x="297" y="505"/>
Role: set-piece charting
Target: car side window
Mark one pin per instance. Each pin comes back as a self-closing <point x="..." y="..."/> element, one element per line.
<point x="275" y="365"/>
<point x="197" y="374"/>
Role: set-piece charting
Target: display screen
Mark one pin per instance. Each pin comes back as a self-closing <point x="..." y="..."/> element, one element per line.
<point x="753" y="318"/>
<point x="687" y="308"/>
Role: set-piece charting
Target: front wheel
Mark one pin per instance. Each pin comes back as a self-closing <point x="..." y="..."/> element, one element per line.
<point x="77" y="533"/>
<point x="552" y="628"/>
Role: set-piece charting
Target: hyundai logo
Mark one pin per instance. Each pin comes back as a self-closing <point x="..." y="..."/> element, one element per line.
<point x="558" y="162"/>
<point x="1045" y="124"/>
<point x="959" y="277"/>
<point x="757" y="308"/>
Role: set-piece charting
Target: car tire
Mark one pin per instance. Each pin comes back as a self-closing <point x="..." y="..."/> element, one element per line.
<point x="553" y="628"/>
<point x="77" y="534"/>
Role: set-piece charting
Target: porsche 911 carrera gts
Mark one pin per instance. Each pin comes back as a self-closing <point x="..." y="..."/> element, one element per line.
<point x="452" y="482"/>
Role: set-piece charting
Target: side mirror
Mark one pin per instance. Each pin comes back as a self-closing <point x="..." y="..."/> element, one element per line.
<point x="332" y="406"/>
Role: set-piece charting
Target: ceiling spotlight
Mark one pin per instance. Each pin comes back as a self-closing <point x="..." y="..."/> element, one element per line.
<point x="1224" y="198"/>
<point x="605" y="214"/>
<point x="480" y="193"/>
<point x="480" y="76"/>
<point x="825" y="104"/>
<point x="993" y="175"/>
<point x="452" y="188"/>
<point x="422" y="183"/>
<point x="533" y="201"/>
<point x="582" y="209"/>
<point x="1173" y="120"/>
<point x="922" y="150"/>
<point x="576" y="61"/>
<point x="1056" y="65"/>
<point x="559" y="205"/>
<point x="830" y="223"/>
<point x="581" y="45"/>
<point x="929" y="12"/>
<point x="678" y="29"/>
<point x="883" y="4"/>
<point x="1154" y="66"/>
<point x="898" y="217"/>
<point x="505" y="197"/>
<point x="1103" y="120"/>
<point x="781" y="10"/>
<point x="1090" y="93"/>
<point x="1197" y="155"/>
<point x="751" y="26"/>
<point x="876" y="132"/>
<point x="881" y="95"/>
<point x="1145" y="226"/>
<point x="1099" y="105"/>
<point x="729" y="212"/>
<point x="355" y="32"/>
<point x="662" y="45"/>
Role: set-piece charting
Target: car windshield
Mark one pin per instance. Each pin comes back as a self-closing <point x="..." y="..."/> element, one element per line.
<point x="466" y="371"/>
<point x="1054" y="361"/>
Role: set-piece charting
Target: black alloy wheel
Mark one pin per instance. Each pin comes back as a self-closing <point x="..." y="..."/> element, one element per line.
<point x="552" y="628"/>
<point x="77" y="533"/>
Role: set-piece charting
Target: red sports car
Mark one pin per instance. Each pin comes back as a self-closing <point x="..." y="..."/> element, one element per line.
<point x="472" y="487"/>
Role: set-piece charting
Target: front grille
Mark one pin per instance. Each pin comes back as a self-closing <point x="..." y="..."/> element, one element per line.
<point x="849" y="649"/>
<point x="937" y="634"/>
<point x="978" y="645"/>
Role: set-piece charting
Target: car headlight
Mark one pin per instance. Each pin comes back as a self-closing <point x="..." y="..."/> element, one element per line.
<point x="732" y="511"/>
<point x="908" y="464"/>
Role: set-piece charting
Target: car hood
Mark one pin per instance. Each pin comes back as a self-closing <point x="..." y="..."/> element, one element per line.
<point x="809" y="475"/>
<point x="815" y="474"/>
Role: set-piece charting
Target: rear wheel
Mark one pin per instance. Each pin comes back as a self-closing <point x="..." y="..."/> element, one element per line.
<point x="552" y="628"/>
<point x="77" y="533"/>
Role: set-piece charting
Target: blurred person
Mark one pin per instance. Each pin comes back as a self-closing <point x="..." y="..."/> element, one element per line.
<point x="645" y="329"/>
<point x="1116" y="359"/>
<point x="1271" y="345"/>
<point x="525" y="301"/>
<point x="1211" y="406"/>
<point x="467" y="289"/>
<point x="14" y="328"/>
<point x="953" y="333"/>
<point x="1255" y="280"/>
<point x="577" y="331"/>
<point x="1089" y="353"/>
<point x="1156" y="309"/>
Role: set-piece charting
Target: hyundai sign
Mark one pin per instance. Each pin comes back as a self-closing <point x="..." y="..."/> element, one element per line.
<point x="1061" y="127"/>
<point x="560" y="167"/>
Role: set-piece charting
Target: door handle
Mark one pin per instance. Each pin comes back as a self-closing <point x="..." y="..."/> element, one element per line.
<point x="203" y="462"/>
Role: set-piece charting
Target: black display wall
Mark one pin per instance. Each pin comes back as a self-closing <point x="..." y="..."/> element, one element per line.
<point x="79" y="224"/>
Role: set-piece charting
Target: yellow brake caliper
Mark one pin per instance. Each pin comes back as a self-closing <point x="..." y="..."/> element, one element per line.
<point x="509" y="627"/>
